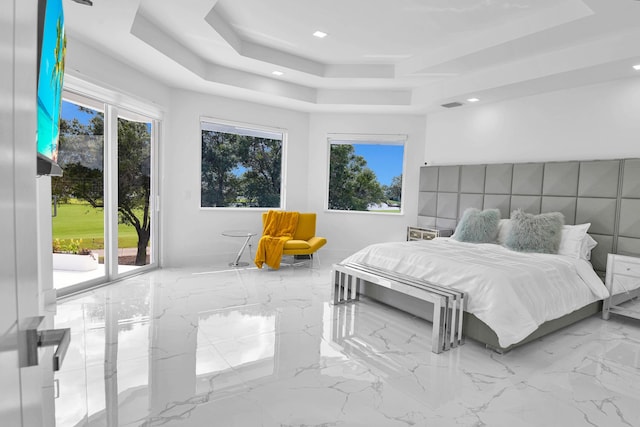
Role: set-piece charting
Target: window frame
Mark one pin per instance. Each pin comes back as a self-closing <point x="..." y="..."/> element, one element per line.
<point x="248" y="127"/>
<point x="368" y="139"/>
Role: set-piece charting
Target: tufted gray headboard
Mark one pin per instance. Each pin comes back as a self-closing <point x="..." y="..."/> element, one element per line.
<point x="605" y="193"/>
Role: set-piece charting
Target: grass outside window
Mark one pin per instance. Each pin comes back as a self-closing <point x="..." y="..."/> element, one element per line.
<point x="77" y="220"/>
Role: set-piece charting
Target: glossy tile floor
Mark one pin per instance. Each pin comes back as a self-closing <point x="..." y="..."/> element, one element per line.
<point x="247" y="347"/>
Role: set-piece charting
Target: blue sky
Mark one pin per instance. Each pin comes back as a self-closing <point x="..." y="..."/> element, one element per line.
<point x="384" y="160"/>
<point x="71" y="111"/>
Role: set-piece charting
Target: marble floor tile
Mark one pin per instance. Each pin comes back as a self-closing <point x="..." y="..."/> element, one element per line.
<point x="247" y="347"/>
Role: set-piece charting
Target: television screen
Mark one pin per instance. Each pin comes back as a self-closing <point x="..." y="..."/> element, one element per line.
<point x="52" y="45"/>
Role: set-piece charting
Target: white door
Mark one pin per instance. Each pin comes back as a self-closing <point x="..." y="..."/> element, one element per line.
<point x="21" y="401"/>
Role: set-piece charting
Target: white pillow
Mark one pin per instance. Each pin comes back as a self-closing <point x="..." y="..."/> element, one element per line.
<point x="504" y="226"/>
<point x="588" y="243"/>
<point x="572" y="238"/>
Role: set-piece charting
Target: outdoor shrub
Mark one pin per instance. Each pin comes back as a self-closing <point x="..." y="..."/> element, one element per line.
<point x="71" y="246"/>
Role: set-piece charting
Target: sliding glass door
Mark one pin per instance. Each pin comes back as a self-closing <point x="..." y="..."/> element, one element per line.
<point x="104" y="210"/>
<point x="78" y="195"/>
<point x="134" y="190"/>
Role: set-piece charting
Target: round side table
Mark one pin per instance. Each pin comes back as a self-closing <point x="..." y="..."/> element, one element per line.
<point x="239" y="233"/>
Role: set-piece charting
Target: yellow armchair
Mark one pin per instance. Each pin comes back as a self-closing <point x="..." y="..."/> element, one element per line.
<point x="304" y="241"/>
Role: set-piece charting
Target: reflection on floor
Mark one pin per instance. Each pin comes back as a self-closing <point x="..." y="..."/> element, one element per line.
<point x="66" y="278"/>
<point x="247" y="347"/>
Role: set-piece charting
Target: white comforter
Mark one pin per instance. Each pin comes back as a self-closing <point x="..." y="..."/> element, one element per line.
<point x="512" y="292"/>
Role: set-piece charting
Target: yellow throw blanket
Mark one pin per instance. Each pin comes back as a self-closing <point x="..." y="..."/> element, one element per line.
<point x="279" y="227"/>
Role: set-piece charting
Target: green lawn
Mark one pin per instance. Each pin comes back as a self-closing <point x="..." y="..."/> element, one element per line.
<point x="81" y="221"/>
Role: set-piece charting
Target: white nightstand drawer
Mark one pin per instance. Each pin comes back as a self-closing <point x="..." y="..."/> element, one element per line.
<point x="415" y="234"/>
<point x="627" y="268"/>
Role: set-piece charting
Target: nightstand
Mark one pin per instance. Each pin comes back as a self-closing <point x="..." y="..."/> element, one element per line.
<point x="625" y="271"/>
<point x="427" y="233"/>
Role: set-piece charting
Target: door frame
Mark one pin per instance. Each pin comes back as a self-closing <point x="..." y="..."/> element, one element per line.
<point x="25" y="400"/>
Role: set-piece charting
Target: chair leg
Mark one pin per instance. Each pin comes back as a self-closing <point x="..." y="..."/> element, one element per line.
<point x="305" y="260"/>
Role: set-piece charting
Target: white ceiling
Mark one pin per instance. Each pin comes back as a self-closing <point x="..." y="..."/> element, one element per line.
<point x="404" y="56"/>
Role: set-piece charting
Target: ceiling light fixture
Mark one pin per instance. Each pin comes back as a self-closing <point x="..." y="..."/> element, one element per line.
<point x="84" y="2"/>
<point x="320" y="34"/>
<point x="473" y="100"/>
<point x="452" y="104"/>
<point x="277" y="73"/>
<point x="636" y="67"/>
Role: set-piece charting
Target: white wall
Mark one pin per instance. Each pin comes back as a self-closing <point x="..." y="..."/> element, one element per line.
<point x="348" y="232"/>
<point x="96" y="74"/>
<point x="590" y="122"/>
<point x="191" y="235"/>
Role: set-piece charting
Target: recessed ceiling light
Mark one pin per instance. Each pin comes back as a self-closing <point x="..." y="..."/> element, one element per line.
<point x="636" y="67"/>
<point x="473" y="100"/>
<point x="320" y="34"/>
<point x="277" y="73"/>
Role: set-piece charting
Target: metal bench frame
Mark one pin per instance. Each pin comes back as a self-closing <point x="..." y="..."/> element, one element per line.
<point x="448" y="303"/>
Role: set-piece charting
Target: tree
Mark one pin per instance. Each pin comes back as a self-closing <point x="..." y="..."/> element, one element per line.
<point x="219" y="157"/>
<point x="394" y="190"/>
<point x="352" y="185"/>
<point x="240" y="169"/>
<point x="262" y="159"/>
<point x="80" y="157"/>
<point x="134" y="181"/>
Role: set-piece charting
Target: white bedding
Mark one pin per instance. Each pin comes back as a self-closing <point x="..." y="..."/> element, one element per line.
<point x="512" y="292"/>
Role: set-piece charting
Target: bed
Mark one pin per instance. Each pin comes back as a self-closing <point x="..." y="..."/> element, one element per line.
<point x="561" y="289"/>
<point x="510" y="295"/>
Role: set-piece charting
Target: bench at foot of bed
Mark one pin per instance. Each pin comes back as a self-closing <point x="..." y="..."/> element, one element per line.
<point x="448" y="304"/>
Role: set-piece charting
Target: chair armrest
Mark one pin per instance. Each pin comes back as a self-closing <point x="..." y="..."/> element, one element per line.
<point x="317" y="242"/>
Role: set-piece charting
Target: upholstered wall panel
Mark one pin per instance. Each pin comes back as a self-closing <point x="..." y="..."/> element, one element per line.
<point x="529" y="204"/>
<point x="599" y="178"/>
<point x="498" y="179"/>
<point x="427" y="203"/>
<point x="566" y="205"/>
<point x="449" y="178"/>
<point x="629" y="218"/>
<point x="527" y="178"/>
<point x="601" y="213"/>
<point x="502" y="202"/>
<point x="447" y="205"/>
<point x="429" y="179"/>
<point x="446" y="223"/>
<point x="561" y="179"/>
<point x="631" y="179"/>
<point x="472" y="179"/>
<point x="605" y="193"/>
<point x="628" y="246"/>
<point x="470" y="201"/>
<point x="426" y="221"/>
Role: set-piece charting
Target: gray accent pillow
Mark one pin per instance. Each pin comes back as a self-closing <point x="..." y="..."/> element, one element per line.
<point x="478" y="226"/>
<point x="535" y="233"/>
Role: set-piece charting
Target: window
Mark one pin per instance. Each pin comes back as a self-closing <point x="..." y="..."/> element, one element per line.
<point x="241" y="165"/>
<point x="365" y="173"/>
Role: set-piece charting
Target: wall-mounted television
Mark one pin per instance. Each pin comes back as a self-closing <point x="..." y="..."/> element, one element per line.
<point x="52" y="45"/>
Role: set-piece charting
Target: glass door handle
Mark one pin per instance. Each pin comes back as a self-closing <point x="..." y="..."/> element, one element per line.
<point x="36" y="339"/>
